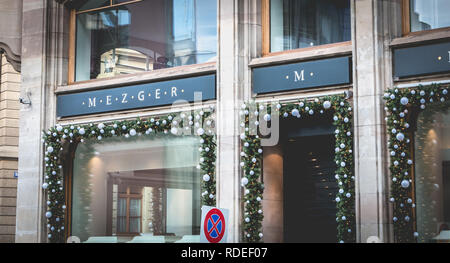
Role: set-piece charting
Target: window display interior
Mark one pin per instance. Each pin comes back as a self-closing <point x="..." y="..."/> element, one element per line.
<point x="432" y="174"/>
<point x="138" y="190"/>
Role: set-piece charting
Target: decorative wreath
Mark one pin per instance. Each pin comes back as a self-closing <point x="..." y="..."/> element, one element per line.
<point x="251" y="160"/>
<point x="59" y="137"/>
<point x="400" y="104"/>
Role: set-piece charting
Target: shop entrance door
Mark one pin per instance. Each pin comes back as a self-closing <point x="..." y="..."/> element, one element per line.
<point x="309" y="189"/>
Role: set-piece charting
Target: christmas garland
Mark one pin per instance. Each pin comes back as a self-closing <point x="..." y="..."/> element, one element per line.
<point x="252" y="114"/>
<point x="57" y="138"/>
<point x="400" y="103"/>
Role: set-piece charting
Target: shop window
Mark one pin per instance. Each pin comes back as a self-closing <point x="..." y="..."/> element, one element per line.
<point x="140" y="189"/>
<point x="432" y="174"/>
<point x="427" y="14"/>
<point x="293" y="24"/>
<point x="121" y="37"/>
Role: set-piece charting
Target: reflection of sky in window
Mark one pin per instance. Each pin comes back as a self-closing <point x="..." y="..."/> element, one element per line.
<point x="434" y="13"/>
<point x="183" y="18"/>
<point x="199" y="25"/>
<point x="123" y="17"/>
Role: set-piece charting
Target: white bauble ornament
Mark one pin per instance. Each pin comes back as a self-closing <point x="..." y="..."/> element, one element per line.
<point x="200" y="131"/>
<point x="247" y="219"/>
<point x="405" y="183"/>
<point x="295" y="112"/>
<point x="326" y="104"/>
<point x="48" y="214"/>
<point x="44" y="185"/>
<point x="404" y="101"/>
<point x="244" y="181"/>
<point x="206" y="178"/>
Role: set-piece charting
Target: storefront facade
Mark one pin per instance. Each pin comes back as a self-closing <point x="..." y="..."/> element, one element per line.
<point x="112" y="162"/>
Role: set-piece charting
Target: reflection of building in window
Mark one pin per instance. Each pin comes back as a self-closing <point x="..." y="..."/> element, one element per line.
<point x="145" y="36"/>
<point x="123" y="61"/>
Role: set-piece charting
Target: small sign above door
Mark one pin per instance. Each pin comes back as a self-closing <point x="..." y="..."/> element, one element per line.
<point x="137" y="96"/>
<point x="303" y="75"/>
<point x="421" y="60"/>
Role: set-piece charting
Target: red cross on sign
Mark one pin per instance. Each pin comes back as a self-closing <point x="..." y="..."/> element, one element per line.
<point x="214" y="226"/>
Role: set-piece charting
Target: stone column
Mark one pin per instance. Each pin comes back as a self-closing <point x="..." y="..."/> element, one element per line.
<point x="372" y="75"/>
<point x="228" y="192"/>
<point x="32" y="117"/>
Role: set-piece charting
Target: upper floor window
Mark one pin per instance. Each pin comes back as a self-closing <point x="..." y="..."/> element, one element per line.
<point x="306" y="23"/>
<point x="429" y="14"/>
<point x="114" y="37"/>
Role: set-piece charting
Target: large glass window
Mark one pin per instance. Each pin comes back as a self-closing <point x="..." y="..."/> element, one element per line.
<point x="138" y="189"/>
<point x="429" y="14"/>
<point x="305" y="23"/>
<point x="432" y="174"/>
<point x="143" y="36"/>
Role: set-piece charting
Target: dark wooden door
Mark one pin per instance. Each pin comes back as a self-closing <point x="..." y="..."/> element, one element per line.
<point x="309" y="189"/>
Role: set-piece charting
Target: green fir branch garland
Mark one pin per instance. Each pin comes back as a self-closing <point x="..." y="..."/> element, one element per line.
<point x="251" y="160"/>
<point x="400" y="103"/>
<point x="59" y="137"/>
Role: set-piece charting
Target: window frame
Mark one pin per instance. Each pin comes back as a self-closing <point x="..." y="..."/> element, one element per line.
<point x="265" y="22"/>
<point x="406" y="22"/>
<point x="128" y="196"/>
<point x="73" y="38"/>
<point x="196" y="68"/>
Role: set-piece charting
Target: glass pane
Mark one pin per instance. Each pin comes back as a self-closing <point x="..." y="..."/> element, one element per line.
<point x="432" y="178"/>
<point x="305" y="23"/>
<point x="91" y="4"/>
<point x="122" y="215"/>
<point x="429" y="14"/>
<point x="148" y="184"/>
<point x="145" y="36"/>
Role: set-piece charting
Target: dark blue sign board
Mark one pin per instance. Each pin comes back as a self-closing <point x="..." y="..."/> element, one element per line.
<point x="303" y="75"/>
<point x="137" y="96"/>
<point x="422" y="60"/>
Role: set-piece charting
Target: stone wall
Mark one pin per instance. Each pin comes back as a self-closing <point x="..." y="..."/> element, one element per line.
<point x="9" y="139"/>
